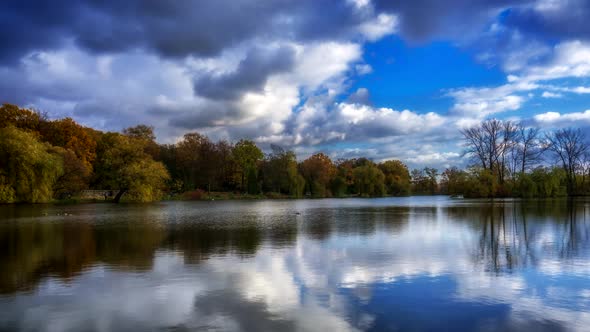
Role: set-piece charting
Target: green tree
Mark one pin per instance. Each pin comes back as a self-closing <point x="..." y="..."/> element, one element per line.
<point x="338" y="186"/>
<point x="146" y="135"/>
<point x="453" y="181"/>
<point x="253" y="186"/>
<point x="549" y="182"/>
<point x="569" y="148"/>
<point x="124" y="166"/>
<point x="369" y="180"/>
<point x="280" y="173"/>
<point x="246" y="155"/>
<point x="481" y="183"/>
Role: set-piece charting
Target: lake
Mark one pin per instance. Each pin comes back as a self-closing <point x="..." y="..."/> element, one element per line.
<point x="399" y="264"/>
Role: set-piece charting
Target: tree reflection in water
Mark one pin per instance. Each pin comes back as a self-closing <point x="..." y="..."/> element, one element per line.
<point x="289" y="265"/>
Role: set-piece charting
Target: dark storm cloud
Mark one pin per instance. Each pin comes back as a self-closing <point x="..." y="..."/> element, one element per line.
<point x="170" y="28"/>
<point x="29" y="25"/>
<point x="561" y="20"/>
<point x="251" y="74"/>
<point x="186" y="117"/>
<point x="422" y="20"/>
<point x="205" y="28"/>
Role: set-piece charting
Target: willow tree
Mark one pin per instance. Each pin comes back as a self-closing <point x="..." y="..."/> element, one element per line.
<point x="28" y="168"/>
<point x="369" y="180"/>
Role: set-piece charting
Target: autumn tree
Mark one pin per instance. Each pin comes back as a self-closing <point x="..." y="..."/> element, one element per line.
<point x="343" y="182"/>
<point x="318" y="171"/>
<point x="140" y="132"/>
<point x="397" y="177"/>
<point x="68" y="134"/>
<point x="22" y="118"/>
<point x="75" y="176"/>
<point x="192" y="154"/>
<point x="225" y="165"/>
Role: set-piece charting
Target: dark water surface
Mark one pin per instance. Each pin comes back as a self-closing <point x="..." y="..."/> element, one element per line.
<point x="401" y="264"/>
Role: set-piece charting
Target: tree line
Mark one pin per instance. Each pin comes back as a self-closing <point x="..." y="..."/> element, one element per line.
<point x="42" y="160"/>
<point x="509" y="159"/>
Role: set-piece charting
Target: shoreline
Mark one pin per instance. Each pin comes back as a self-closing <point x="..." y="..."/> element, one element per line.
<point x="228" y="196"/>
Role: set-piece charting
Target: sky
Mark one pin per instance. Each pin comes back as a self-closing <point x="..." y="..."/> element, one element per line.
<point x="374" y="78"/>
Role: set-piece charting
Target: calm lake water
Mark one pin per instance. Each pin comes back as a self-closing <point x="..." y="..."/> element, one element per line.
<point x="399" y="264"/>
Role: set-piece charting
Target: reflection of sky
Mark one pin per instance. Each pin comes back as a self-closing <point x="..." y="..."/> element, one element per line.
<point x="419" y="269"/>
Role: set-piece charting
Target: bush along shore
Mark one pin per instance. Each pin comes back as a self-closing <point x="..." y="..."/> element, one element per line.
<point x="43" y="160"/>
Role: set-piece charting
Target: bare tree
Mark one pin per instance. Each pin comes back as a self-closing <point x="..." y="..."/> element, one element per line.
<point x="490" y="145"/>
<point x="528" y="148"/>
<point x="569" y="146"/>
<point x="585" y="169"/>
<point x="475" y="146"/>
<point x="506" y="147"/>
<point x="493" y="136"/>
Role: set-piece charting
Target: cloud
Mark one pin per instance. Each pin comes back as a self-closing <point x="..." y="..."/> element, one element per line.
<point x="565" y="61"/>
<point x="481" y="102"/>
<point x="424" y="20"/>
<point x="568" y="59"/>
<point x="581" y="89"/>
<point x="552" y="19"/>
<point x="319" y="123"/>
<point x="566" y="119"/>
<point x="365" y="121"/>
<point x="179" y="28"/>
<point x="547" y="94"/>
<point x="360" y="96"/>
<point x="250" y="75"/>
<point x="261" y="109"/>
<point x="279" y="72"/>
<point x="382" y="25"/>
<point x="347" y="130"/>
<point x="508" y="48"/>
<point x="363" y="69"/>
